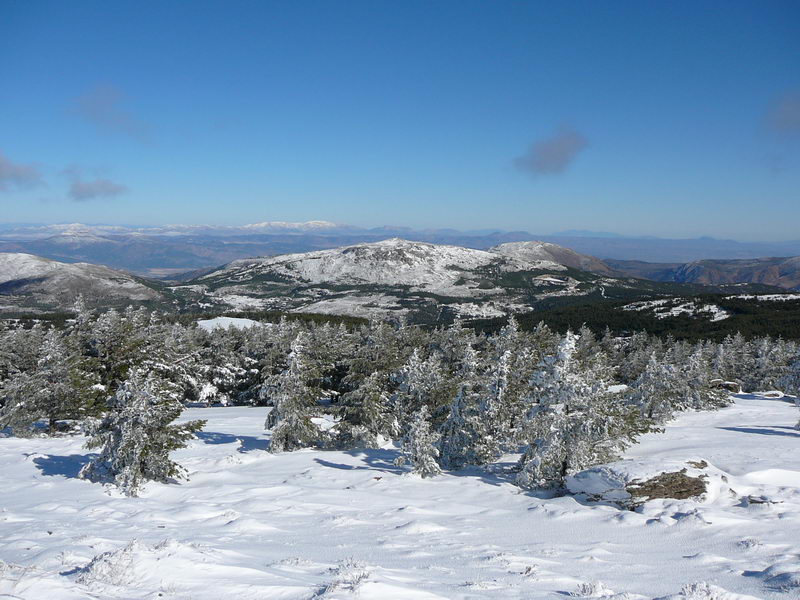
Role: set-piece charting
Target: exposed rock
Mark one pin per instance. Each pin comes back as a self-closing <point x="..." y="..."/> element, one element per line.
<point x="677" y="485"/>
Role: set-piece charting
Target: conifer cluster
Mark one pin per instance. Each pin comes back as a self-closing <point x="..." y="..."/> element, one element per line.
<point x="449" y="397"/>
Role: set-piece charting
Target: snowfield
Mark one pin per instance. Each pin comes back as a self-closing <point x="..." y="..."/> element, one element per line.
<point x="329" y="524"/>
<point x="674" y="307"/>
<point x="226" y="322"/>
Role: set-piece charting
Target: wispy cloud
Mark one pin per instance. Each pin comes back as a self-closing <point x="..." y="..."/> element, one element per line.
<point x="94" y="189"/>
<point x="552" y="155"/>
<point x="104" y="107"/>
<point x="784" y="115"/>
<point x="17" y="175"/>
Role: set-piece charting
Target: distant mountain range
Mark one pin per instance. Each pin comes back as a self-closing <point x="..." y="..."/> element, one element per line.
<point x="166" y="250"/>
<point x="418" y="281"/>
<point x="184" y="251"/>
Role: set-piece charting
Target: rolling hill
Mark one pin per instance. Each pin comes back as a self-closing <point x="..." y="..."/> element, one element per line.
<point x="32" y="283"/>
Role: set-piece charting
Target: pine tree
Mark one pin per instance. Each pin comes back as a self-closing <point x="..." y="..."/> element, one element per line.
<point x="658" y="390"/>
<point x="367" y="416"/>
<point x="54" y="389"/>
<point x="463" y="437"/>
<point x="421" y="382"/>
<point x="577" y="423"/>
<point x="702" y="395"/>
<point x="770" y="364"/>
<point x="790" y="382"/>
<point x="420" y="446"/>
<point x="509" y="361"/>
<point x="136" y="436"/>
<point x="294" y="402"/>
<point x="636" y="354"/>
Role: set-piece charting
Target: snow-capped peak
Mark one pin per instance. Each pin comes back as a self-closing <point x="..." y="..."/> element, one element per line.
<point x="301" y="226"/>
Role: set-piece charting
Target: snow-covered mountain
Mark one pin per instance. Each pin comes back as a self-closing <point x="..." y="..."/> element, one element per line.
<point x="390" y="277"/>
<point x="544" y="251"/>
<point x="421" y="281"/>
<point x="426" y="283"/>
<point x="28" y="281"/>
<point x="395" y="262"/>
<point x="172" y="250"/>
<point x="77" y="229"/>
<point x="284" y="226"/>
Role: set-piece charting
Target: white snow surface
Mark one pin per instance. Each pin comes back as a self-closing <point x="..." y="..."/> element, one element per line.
<point x="227" y="322"/>
<point x="330" y="524"/>
<point x="768" y="297"/>
<point x="673" y="307"/>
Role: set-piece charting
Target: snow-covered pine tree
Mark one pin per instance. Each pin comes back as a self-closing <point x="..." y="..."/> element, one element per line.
<point x="770" y="364"/>
<point x="229" y="374"/>
<point x="501" y="409"/>
<point x="23" y="349"/>
<point x="367" y="416"/>
<point x="790" y="382"/>
<point x="119" y="344"/>
<point x="420" y="446"/>
<point x="450" y="342"/>
<point x="636" y="353"/>
<point x="462" y="437"/>
<point x="702" y="395"/>
<point x="294" y="402"/>
<point x="509" y="361"/>
<point x="542" y="341"/>
<point x="733" y="360"/>
<point x="420" y="382"/>
<point x="373" y="348"/>
<point x="577" y="423"/>
<point x="137" y="434"/>
<point x="54" y="389"/>
<point x="658" y="390"/>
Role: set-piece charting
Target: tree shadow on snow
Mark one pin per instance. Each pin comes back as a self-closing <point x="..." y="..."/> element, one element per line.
<point x="247" y="443"/>
<point x="756" y="396"/>
<point x="377" y="459"/>
<point x="342" y="466"/>
<point x="766" y="430"/>
<point x="66" y="466"/>
<point x="383" y="460"/>
<point x="496" y="474"/>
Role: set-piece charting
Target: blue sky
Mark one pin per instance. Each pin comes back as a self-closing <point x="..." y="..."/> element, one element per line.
<point x="675" y="119"/>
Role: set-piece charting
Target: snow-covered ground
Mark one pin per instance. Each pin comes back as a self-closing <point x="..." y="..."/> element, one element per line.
<point x="329" y="524"/>
<point x="768" y="297"/>
<point x="673" y="307"/>
<point x="226" y="322"/>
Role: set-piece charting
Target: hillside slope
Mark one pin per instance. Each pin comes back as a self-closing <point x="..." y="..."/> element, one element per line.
<point x="545" y="251"/>
<point x="783" y="272"/>
<point x="28" y="281"/>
